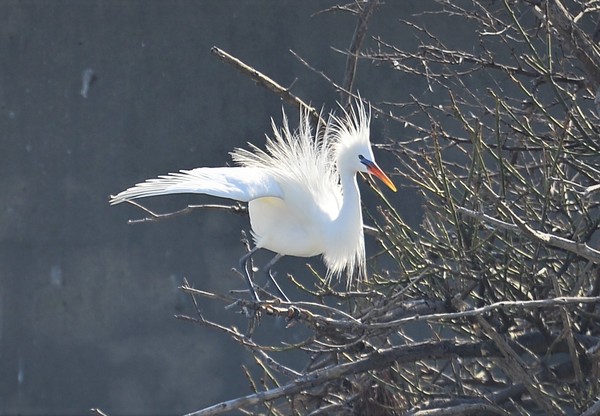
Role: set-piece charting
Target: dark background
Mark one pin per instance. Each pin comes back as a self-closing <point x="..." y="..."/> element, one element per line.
<point x="86" y="300"/>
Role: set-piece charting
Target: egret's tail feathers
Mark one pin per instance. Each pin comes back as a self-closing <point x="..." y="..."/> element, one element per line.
<point x="242" y="184"/>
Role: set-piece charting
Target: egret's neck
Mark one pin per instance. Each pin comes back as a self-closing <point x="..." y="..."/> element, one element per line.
<point x="345" y="242"/>
<point x="350" y="215"/>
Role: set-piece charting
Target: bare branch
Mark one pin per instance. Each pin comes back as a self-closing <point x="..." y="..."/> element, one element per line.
<point x="353" y="51"/>
<point x="268" y="83"/>
<point x="581" y="249"/>
<point x="377" y="360"/>
<point x="514" y="366"/>
<point x="500" y="144"/>
<point x="593" y="410"/>
<point x="236" y="209"/>
<point x="465" y="409"/>
<point x="578" y="42"/>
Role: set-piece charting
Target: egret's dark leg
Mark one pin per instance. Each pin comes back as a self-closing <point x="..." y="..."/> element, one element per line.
<point x="244" y="270"/>
<point x="267" y="269"/>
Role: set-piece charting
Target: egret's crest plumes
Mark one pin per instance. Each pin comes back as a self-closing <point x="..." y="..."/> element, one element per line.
<point x="352" y="129"/>
<point x="303" y="199"/>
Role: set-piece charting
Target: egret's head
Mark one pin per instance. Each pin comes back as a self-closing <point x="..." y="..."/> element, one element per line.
<point x="372" y="168"/>
<point x="352" y="145"/>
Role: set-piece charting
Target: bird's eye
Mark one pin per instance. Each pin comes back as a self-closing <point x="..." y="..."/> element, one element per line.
<point x="361" y="157"/>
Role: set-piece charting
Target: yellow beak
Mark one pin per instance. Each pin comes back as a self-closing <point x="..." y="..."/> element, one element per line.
<point x="376" y="171"/>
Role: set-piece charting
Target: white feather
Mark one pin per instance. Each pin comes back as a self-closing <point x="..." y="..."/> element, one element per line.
<point x="302" y="194"/>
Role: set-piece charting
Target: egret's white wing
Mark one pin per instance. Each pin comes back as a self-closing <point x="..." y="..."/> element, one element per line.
<point x="239" y="183"/>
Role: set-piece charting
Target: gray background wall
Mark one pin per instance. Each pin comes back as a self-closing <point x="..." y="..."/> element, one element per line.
<point x="87" y="301"/>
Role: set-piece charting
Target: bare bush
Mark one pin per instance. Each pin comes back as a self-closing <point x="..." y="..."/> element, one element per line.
<point x="501" y="280"/>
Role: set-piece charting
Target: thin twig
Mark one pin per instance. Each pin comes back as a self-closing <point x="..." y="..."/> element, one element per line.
<point x="268" y="83"/>
<point x="322" y="74"/>
<point x="503" y="305"/>
<point x="236" y="209"/>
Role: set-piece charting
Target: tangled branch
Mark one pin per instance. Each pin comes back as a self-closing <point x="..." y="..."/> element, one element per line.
<point x="491" y="304"/>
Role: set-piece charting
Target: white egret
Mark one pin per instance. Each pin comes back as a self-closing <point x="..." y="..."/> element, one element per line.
<point x="303" y="197"/>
